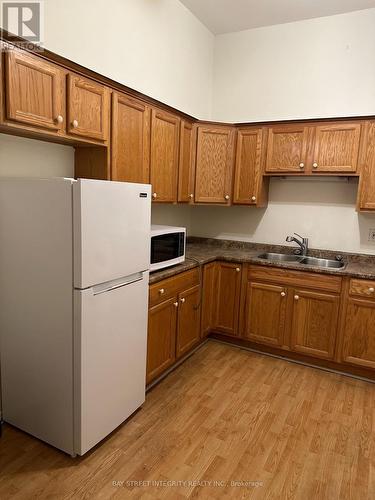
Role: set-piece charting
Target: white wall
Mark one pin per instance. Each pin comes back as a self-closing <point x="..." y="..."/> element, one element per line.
<point x="29" y="158"/>
<point x="155" y="46"/>
<point x="176" y="215"/>
<point x="316" y="68"/>
<point x="324" y="211"/>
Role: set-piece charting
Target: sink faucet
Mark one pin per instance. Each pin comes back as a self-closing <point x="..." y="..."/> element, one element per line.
<point x="302" y="242"/>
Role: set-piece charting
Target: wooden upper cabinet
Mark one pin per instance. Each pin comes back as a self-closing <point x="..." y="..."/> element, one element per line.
<point x="366" y="192"/>
<point x="130" y="139"/>
<point x="34" y="92"/>
<point x="336" y="147"/>
<point x="186" y="172"/>
<point x="287" y="149"/>
<point x="214" y="165"/>
<point x="314" y="323"/>
<point x="228" y="298"/>
<point x="265" y="311"/>
<point x="165" y="133"/>
<point x="88" y="108"/>
<point x="359" y="333"/>
<point x="189" y="317"/>
<point x="250" y="188"/>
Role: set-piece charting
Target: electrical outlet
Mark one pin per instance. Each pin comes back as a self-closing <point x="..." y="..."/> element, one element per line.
<point x="371" y="235"/>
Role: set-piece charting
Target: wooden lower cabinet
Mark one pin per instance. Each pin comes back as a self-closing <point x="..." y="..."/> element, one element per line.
<point x="208" y="299"/>
<point x="161" y="339"/>
<point x="292" y="310"/>
<point x="314" y="323"/>
<point x="189" y="318"/>
<point x="359" y="333"/>
<point x="228" y="298"/>
<point x="174" y="321"/>
<point x="265" y="311"/>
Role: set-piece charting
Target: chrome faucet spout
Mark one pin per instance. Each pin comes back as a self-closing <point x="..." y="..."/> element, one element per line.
<point x="302" y="242"/>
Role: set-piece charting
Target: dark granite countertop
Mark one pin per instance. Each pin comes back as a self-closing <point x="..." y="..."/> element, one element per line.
<point x="200" y="251"/>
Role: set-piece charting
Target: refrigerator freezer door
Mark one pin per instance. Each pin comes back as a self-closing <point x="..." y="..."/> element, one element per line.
<point x="110" y="344"/>
<point x="111" y="230"/>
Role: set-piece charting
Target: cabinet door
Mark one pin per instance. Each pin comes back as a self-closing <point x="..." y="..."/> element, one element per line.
<point x="287" y="149"/>
<point x="189" y="317"/>
<point x="265" y="311"/>
<point x="336" y="147"/>
<point x="249" y="186"/>
<point x="359" y="333"/>
<point x="366" y="192"/>
<point x="314" y="323"/>
<point x="208" y="298"/>
<point x="130" y="140"/>
<point x="165" y="132"/>
<point x="34" y="91"/>
<point x="88" y="108"/>
<point x="161" y="337"/>
<point x="214" y="165"/>
<point x="228" y="298"/>
<point x="186" y="171"/>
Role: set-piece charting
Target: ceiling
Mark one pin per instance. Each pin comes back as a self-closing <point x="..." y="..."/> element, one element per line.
<point x="225" y="16"/>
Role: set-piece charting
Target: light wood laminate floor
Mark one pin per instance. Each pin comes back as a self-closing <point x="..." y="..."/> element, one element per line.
<point x="225" y="415"/>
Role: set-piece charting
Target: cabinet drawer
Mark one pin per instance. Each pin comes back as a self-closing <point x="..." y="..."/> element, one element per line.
<point x="295" y="278"/>
<point x="362" y="288"/>
<point x="169" y="287"/>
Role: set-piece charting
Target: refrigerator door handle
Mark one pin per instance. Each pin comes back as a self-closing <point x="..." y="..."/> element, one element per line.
<point x="133" y="279"/>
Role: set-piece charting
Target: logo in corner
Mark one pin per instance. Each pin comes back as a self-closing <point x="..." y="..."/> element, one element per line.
<point x="24" y="20"/>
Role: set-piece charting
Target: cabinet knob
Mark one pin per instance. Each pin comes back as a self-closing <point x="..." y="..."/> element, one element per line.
<point x="154" y="195"/>
<point x="175" y="304"/>
<point x="371" y="289"/>
<point x="301" y="165"/>
<point x="315" y="165"/>
<point x="238" y="269"/>
<point x="253" y="198"/>
<point x="59" y="119"/>
<point x="191" y="196"/>
<point x="182" y="301"/>
<point x="296" y="297"/>
<point x="75" y="123"/>
<point x="283" y="294"/>
<point x="226" y="196"/>
<point x="162" y="291"/>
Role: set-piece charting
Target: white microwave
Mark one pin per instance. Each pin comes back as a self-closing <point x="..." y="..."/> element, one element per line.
<point x="167" y="246"/>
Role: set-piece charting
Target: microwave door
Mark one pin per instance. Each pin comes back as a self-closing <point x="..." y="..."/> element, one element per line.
<point x="167" y="250"/>
<point x="166" y="247"/>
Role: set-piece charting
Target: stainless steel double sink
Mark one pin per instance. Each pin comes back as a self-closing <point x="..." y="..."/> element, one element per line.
<point x="303" y="260"/>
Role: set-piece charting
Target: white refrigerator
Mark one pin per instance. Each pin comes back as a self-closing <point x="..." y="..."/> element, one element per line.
<point x="74" y="261"/>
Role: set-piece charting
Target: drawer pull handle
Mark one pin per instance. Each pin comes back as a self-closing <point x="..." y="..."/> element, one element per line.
<point x="296" y="297"/>
<point x="283" y="294"/>
<point x="315" y="165"/>
<point x="182" y="301"/>
<point x="59" y="119"/>
<point x="253" y="198"/>
<point x="75" y="123"/>
<point x="301" y="165"/>
<point x="175" y="304"/>
<point x="226" y="196"/>
<point x="238" y="269"/>
<point x="161" y="291"/>
<point x="154" y="195"/>
<point x="371" y="289"/>
<point x="191" y="196"/>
